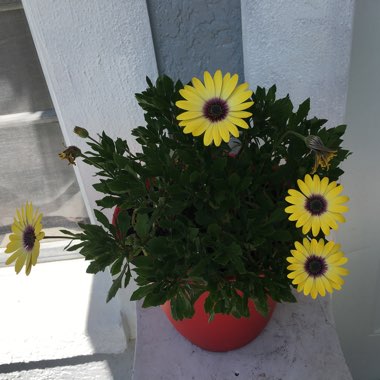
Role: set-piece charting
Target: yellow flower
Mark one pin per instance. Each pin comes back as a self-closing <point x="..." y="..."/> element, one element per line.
<point x="323" y="155"/>
<point x="25" y="240"/>
<point x="319" y="205"/>
<point x="316" y="267"/>
<point x="70" y="154"/>
<point x="214" y="108"/>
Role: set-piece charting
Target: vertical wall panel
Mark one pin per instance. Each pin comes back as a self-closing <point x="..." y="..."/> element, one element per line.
<point x="193" y="36"/>
<point x="95" y="56"/>
<point x="304" y="47"/>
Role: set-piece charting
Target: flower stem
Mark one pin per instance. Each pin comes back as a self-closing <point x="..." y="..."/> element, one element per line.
<point x="59" y="237"/>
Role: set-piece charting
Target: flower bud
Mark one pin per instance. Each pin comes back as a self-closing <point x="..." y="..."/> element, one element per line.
<point x="81" y="132"/>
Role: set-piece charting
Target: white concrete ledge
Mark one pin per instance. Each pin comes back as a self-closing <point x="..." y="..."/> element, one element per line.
<point x="300" y="342"/>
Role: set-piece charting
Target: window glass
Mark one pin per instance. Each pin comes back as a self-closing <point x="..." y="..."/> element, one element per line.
<point x="30" y="136"/>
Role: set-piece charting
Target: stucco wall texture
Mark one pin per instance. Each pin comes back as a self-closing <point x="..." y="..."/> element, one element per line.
<point x="303" y="47"/>
<point x="193" y="36"/>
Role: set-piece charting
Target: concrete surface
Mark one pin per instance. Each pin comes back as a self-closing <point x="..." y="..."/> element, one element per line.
<point x="88" y="367"/>
<point x="193" y="36"/>
<point x="299" y="343"/>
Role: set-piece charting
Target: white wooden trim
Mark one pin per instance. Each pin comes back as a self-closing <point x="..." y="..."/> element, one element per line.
<point x="95" y="56"/>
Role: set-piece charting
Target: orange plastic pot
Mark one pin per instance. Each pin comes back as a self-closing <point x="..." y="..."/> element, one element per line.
<point x="224" y="332"/>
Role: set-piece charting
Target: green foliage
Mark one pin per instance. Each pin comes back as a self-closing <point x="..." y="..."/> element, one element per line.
<point x="194" y="218"/>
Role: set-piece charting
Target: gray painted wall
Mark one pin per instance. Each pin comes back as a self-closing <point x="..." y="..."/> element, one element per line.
<point x="191" y="36"/>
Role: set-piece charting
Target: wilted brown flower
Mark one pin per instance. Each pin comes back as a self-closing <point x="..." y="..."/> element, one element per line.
<point x="70" y="154"/>
<point x="323" y="155"/>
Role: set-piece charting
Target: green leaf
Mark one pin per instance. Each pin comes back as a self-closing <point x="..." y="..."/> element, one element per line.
<point x="101" y="218"/>
<point x="143" y="291"/>
<point x="303" y="110"/>
<point x="108" y="202"/>
<point x="158" y="245"/>
<point x="142" y="225"/>
<point x="117" y="283"/>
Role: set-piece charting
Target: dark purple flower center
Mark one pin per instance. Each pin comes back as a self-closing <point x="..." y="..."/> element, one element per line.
<point x="215" y="109"/>
<point x="29" y="237"/>
<point x="315" y="266"/>
<point x="316" y="204"/>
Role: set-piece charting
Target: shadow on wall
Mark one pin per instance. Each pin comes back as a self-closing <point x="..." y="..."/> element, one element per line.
<point x="204" y="34"/>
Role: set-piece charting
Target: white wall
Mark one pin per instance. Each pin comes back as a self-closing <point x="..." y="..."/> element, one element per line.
<point x="357" y="306"/>
<point x="303" y="47"/>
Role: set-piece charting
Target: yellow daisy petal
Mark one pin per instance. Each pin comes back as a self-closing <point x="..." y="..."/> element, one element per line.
<point x="216" y="135"/>
<point x="28" y="264"/>
<point x="308" y="285"/>
<point x="192" y="125"/>
<point x="207" y="138"/>
<point x="334" y="192"/>
<point x="324" y="184"/>
<point x="326" y="284"/>
<point x="209" y="84"/>
<point x="338" y="208"/>
<point x="188" y="106"/>
<point x="303" y="219"/>
<point x="218" y="82"/>
<point x="314" y="291"/>
<point x="200" y="89"/>
<point x="238" y="114"/>
<point x="307" y="226"/>
<point x="309" y="181"/>
<point x="20" y="262"/>
<point x="317" y="184"/>
<point x="241" y="107"/>
<point x="229" y="84"/>
<point x="231" y="128"/>
<point x="13" y="257"/>
<point x="239" y="122"/>
<point x="189" y="115"/>
<point x="223" y="131"/>
<point x="300" y="278"/>
<point x="315" y="226"/>
<point x="190" y="94"/>
<point x="303" y="187"/>
<point x="320" y="286"/>
<point x="201" y="129"/>
<point x="238" y="97"/>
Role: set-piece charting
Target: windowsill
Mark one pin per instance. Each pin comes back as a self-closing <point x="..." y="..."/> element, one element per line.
<point x="58" y="311"/>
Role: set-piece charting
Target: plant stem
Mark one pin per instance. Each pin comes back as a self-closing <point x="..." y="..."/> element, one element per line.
<point x="283" y="136"/>
<point x="59" y="237"/>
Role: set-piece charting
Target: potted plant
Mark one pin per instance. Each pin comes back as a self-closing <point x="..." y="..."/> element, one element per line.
<point x="225" y="207"/>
